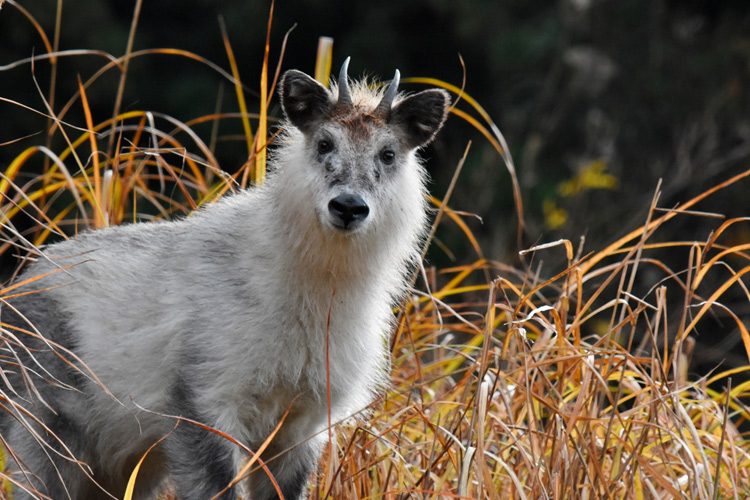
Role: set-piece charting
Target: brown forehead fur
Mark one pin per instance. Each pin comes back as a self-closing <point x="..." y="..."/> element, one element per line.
<point x="360" y="119"/>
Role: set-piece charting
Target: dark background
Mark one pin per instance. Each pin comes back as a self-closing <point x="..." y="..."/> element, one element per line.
<point x="650" y="89"/>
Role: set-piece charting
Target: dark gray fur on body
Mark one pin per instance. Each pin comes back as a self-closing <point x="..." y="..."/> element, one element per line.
<point x="221" y="318"/>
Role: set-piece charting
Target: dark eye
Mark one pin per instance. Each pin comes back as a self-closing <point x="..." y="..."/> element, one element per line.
<point x="387" y="156"/>
<point x="324" y="146"/>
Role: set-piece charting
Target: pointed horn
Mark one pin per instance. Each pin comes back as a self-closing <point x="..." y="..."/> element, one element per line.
<point x="384" y="108"/>
<point x="345" y="97"/>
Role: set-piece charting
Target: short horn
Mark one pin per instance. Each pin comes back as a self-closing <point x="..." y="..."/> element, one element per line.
<point x="384" y="108"/>
<point x="345" y="96"/>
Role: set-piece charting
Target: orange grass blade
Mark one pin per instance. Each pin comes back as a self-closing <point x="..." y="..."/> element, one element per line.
<point x="99" y="218"/>
<point x="261" y="134"/>
<point x="239" y="92"/>
<point x="35" y="23"/>
<point x="13" y="168"/>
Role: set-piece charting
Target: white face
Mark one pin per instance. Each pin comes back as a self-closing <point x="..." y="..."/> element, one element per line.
<point x="355" y="158"/>
<point x="355" y="168"/>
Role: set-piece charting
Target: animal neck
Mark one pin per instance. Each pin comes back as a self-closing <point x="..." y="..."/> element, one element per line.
<point x="316" y="258"/>
<point x="321" y="256"/>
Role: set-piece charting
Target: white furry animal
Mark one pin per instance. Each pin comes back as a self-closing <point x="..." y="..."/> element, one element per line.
<point x="222" y="317"/>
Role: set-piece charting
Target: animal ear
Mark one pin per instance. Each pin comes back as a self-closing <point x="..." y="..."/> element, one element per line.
<point x="421" y="116"/>
<point x="304" y="100"/>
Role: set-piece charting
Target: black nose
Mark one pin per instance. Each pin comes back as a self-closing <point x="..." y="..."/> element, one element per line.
<point x="348" y="210"/>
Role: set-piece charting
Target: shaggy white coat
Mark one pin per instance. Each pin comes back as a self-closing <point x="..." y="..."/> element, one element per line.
<point x="242" y="295"/>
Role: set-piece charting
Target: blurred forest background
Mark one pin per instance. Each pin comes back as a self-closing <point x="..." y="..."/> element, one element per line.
<point x="598" y="99"/>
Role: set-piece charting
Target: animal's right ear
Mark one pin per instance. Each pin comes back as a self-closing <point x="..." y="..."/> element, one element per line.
<point x="304" y="100"/>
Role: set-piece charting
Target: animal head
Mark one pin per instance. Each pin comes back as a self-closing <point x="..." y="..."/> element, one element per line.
<point x="353" y="150"/>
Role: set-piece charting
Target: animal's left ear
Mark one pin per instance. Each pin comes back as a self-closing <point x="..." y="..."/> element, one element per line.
<point x="421" y="116"/>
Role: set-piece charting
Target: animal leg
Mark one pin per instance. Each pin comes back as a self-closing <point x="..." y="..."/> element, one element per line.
<point x="291" y="469"/>
<point x="48" y="469"/>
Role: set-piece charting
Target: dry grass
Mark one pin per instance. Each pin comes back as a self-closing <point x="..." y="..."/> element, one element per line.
<point x="523" y="383"/>
<point x="571" y="387"/>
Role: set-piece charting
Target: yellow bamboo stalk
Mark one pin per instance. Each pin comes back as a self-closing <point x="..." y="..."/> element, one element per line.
<point x="323" y="60"/>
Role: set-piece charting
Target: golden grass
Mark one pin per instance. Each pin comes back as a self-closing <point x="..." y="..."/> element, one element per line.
<point x="570" y="387"/>
<point x="507" y="383"/>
